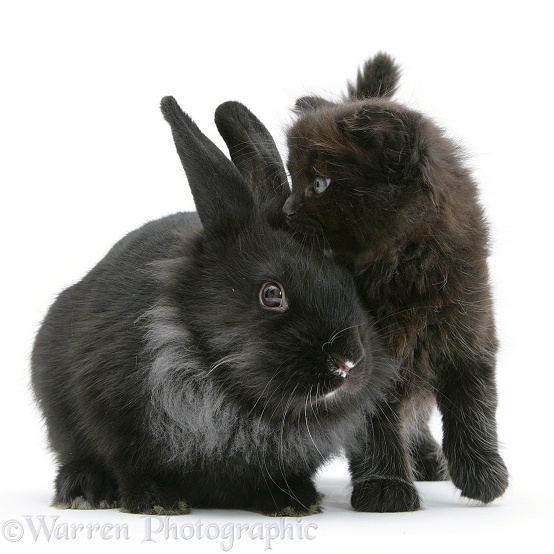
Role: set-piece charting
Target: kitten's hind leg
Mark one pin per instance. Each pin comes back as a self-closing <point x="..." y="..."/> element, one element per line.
<point x="83" y="484"/>
<point x="428" y="461"/>
<point x="426" y="456"/>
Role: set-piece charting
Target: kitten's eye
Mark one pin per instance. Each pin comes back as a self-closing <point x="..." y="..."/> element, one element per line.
<point x="321" y="183"/>
<point x="272" y="297"/>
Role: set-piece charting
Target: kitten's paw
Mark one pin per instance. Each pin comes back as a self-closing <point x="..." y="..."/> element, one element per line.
<point x="385" y="494"/>
<point x="483" y="479"/>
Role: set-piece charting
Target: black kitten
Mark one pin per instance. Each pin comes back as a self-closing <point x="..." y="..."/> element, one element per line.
<point x="386" y="194"/>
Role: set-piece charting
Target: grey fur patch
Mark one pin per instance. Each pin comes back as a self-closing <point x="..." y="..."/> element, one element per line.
<point x="192" y="419"/>
<point x="188" y="413"/>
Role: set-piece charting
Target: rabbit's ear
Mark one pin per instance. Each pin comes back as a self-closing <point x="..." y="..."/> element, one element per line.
<point x="223" y="200"/>
<point x="255" y="154"/>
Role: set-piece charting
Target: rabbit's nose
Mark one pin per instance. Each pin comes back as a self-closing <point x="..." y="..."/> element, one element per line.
<point x="346" y="366"/>
<point x="343" y="367"/>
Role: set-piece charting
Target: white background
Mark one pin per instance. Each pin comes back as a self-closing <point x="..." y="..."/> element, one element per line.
<point x="85" y="156"/>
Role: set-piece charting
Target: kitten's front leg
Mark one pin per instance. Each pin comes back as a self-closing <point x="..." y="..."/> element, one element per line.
<point x="381" y="475"/>
<point x="466" y="395"/>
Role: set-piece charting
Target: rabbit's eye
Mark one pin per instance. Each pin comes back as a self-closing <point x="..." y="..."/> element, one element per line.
<point x="272" y="297"/>
<point x="321" y="183"/>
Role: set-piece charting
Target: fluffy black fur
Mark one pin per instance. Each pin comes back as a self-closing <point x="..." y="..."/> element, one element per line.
<point x="401" y="213"/>
<point x="166" y="384"/>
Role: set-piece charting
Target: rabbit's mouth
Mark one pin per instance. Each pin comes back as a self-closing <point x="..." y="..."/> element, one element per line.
<point x="334" y="392"/>
<point x="343" y="368"/>
<point x="340" y="369"/>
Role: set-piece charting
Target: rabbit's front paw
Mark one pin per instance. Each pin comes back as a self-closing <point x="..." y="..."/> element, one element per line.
<point x="385" y="494"/>
<point x="153" y="498"/>
<point x="82" y="485"/>
<point x="301" y="499"/>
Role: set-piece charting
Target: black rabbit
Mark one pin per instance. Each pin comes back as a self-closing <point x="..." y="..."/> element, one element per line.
<point x="208" y="360"/>
<point x="381" y="190"/>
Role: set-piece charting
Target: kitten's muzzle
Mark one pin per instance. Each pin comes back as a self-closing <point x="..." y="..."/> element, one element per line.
<point x="289" y="208"/>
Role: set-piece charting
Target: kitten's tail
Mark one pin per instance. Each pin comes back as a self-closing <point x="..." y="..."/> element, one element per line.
<point x="378" y="78"/>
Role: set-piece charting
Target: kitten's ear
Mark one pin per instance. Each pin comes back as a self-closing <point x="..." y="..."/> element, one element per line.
<point x="257" y="158"/>
<point x="378" y="78"/>
<point x="307" y="103"/>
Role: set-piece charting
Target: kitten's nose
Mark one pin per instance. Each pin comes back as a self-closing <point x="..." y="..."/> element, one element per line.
<point x="288" y="208"/>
